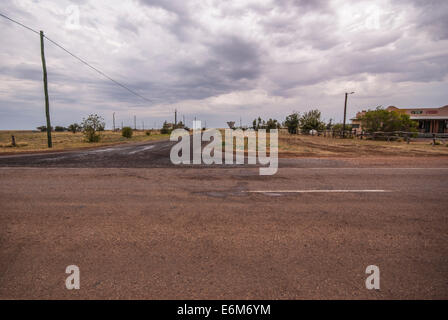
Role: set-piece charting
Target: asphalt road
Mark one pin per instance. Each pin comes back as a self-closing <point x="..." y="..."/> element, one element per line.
<point x="138" y="227"/>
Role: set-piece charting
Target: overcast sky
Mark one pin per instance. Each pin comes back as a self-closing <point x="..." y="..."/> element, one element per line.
<point x="221" y="60"/>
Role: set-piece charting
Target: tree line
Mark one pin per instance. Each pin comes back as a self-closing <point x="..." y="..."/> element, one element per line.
<point x="374" y="120"/>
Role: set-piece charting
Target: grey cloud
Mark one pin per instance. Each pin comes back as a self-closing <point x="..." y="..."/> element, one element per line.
<point x="180" y="8"/>
<point x="432" y="17"/>
<point x="287" y="47"/>
<point x="124" y="23"/>
<point x="237" y="58"/>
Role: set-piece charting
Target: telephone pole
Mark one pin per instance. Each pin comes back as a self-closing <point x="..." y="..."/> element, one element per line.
<point x="175" y="117"/>
<point x="113" y="118"/>
<point x="143" y="125"/>
<point x="345" y="113"/>
<point x="47" y="103"/>
<point x="135" y="122"/>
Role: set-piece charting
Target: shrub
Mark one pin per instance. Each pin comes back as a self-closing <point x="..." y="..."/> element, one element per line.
<point x="385" y="121"/>
<point x="292" y="122"/>
<point x="127" y="132"/>
<point x="91" y="126"/>
<point x="59" y="129"/>
<point x="74" y="127"/>
<point x="166" y="128"/>
<point x="43" y="128"/>
<point x="311" y="120"/>
<point x="148" y="133"/>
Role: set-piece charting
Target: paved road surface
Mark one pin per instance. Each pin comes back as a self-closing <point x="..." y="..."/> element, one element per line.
<point x="141" y="228"/>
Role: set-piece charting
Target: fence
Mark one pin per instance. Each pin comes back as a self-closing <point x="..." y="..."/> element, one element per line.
<point x="386" y="136"/>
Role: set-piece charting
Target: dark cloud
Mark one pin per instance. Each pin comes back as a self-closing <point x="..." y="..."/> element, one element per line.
<point x="431" y="17"/>
<point x="174" y="52"/>
<point x="124" y="24"/>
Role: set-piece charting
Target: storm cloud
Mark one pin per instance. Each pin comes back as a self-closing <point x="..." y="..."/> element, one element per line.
<point x="221" y="60"/>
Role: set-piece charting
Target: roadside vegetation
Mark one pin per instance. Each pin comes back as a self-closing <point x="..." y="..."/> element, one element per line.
<point x="320" y="146"/>
<point x="127" y="132"/>
<point x="28" y="141"/>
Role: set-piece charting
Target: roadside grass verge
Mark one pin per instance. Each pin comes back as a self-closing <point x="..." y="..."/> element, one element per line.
<point x="301" y="145"/>
<point x="290" y="146"/>
<point x="33" y="141"/>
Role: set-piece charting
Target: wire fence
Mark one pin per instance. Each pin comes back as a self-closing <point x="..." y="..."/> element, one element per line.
<point x="379" y="135"/>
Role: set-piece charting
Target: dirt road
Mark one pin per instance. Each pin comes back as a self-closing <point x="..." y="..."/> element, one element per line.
<point x="138" y="227"/>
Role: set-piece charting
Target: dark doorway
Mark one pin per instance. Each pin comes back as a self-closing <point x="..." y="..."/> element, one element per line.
<point x="442" y="125"/>
<point x="424" y="125"/>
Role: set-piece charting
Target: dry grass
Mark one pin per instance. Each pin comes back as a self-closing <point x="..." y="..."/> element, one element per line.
<point x="289" y="145"/>
<point x="299" y="145"/>
<point x="30" y="141"/>
<point x="318" y="146"/>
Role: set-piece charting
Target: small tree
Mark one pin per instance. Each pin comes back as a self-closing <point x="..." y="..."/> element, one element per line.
<point x="231" y="124"/>
<point x="311" y="121"/>
<point x="272" y="124"/>
<point x="338" y="127"/>
<point x="385" y="121"/>
<point x="74" y="127"/>
<point x="166" y="128"/>
<point x="43" y="128"/>
<point x="127" y="132"/>
<point x="91" y="126"/>
<point x="59" y="129"/>
<point x="292" y="122"/>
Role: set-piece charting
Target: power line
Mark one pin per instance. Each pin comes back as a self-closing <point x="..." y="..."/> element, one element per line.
<point x="20" y="24"/>
<point x="81" y="60"/>
<point x="100" y="72"/>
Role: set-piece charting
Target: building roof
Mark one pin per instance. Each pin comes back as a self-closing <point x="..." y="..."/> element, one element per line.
<point x="425" y="117"/>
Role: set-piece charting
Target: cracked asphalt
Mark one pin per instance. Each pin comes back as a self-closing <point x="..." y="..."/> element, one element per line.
<point x="139" y="227"/>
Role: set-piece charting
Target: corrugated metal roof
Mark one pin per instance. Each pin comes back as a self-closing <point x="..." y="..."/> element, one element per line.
<point x="425" y="117"/>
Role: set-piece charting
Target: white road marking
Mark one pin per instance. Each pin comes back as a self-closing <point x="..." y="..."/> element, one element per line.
<point x="142" y="149"/>
<point x="315" y="191"/>
<point x="102" y="150"/>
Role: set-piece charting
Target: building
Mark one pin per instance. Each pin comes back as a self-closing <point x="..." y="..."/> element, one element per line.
<point x="430" y="120"/>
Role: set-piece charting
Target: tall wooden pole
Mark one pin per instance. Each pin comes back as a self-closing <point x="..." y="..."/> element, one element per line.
<point x="47" y="104"/>
<point x="345" y="113"/>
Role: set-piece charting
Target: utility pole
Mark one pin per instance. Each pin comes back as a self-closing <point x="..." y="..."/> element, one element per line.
<point x="241" y="123"/>
<point x="143" y="125"/>
<point x="113" y="118"/>
<point x="122" y="125"/>
<point x="183" y="120"/>
<point x="47" y="103"/>
<point x="175" y="117"/>
<point x="345" y="113"/>
<point x="135" y="122"/>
